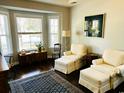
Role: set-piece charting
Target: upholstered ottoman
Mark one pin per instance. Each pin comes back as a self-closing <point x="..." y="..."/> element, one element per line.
<point x="94" y="80"/>
<point x="64" y="65"/>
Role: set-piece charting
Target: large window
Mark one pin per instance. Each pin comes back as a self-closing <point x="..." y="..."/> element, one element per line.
<point x="4" y="35"/>
<point x="29" y="30"/>
<point x="53" y="30"/>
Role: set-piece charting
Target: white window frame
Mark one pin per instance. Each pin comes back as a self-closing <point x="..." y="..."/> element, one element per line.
<point x="59" y="29"/>
<point x="27" y="15"/>
<point x="8" y="34"/>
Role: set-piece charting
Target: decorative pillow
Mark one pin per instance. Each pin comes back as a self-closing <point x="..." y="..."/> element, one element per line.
<point x="67" y="53"/>
<point x="113" y="57"/>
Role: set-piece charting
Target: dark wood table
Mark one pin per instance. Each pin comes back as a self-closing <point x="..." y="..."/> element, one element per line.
<point x="29" y="58"/>
<point x="3" y="75"/>
<point x="89" y="57"/>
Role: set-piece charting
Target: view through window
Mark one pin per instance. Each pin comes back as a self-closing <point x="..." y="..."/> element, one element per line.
<point x="4" y="35"/>
<point x="29" y="32"/>
<point x="53" y="31"/>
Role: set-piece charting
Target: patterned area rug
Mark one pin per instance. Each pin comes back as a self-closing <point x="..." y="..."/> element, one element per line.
<point x="48" y="82"/>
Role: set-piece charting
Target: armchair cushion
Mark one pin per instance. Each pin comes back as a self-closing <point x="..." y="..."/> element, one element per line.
<point x="78" y="49"/>
<point x="97" y="61"/>
<point x="72" y="57"/>
<point x="121" y="70"/>
<point x="67" y="53"/>
<point x="113" y="57"/>
<point x="105" y="68"/>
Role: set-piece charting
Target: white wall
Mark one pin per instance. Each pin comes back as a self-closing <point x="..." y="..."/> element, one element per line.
<point x="114" y="24"/>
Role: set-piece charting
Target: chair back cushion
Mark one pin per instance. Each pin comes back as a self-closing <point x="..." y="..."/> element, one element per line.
<point x="79" y="49"/>
<point x="113" y="57"/>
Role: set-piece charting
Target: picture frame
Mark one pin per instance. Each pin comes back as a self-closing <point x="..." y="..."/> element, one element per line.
<point x="94" y="25"/>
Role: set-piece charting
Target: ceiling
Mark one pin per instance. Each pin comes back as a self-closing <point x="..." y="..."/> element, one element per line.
<point x="56" y="2"/>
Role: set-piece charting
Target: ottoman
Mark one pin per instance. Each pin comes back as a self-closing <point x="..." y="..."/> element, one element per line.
<point x="64" y="65"/>
<point x="94" y="80"/>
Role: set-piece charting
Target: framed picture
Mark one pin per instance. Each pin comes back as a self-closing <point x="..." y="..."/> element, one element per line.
<point x="94" y="25"/>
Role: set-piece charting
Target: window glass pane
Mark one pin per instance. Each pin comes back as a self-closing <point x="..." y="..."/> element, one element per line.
<point x="56" y="28"/>
<point x="56" y="22"/>
<point x="4" y="44"/>
<point x="26" y="28"/>
<point x="29" y="24"/>
<point x="4" y="36"/>
<point x="23" y="41"/>
<point x="29" y="41"/>
<point x="53" y="31"/>
<point x="54" y="25"/>
<point x="54" y="39"/>
<point x="35" y="39"/>
<point x="2" y="25"/>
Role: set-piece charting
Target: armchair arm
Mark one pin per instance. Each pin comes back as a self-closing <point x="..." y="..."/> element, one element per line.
<point x="120" y="70"/>
<point x="67" y="53"/>
<point x="97" y="61"/>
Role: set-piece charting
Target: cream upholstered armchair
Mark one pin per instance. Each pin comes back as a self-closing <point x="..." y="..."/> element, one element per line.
<point x="105" y="73"/>
<point x="71" y="59"/>
<point x="76" y="53"/>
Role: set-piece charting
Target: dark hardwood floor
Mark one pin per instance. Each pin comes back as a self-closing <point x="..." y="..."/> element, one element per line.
<point x="19" y="72"/>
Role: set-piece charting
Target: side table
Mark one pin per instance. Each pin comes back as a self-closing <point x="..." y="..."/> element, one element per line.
<point x="89" y="57"/>
<point x="35" y="57"/>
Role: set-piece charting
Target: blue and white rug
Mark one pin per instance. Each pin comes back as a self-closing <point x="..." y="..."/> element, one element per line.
<point x="48" y="82"/>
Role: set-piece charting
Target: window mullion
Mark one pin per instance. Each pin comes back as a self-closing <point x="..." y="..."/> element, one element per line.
<point x="29" y="32"/>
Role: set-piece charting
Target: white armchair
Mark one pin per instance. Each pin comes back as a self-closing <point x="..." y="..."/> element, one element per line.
<point x="71" y="59"/>
<point x="111" y="66"/>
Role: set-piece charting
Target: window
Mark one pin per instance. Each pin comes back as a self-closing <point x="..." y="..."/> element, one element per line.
<point x="29" y="30"/>
<point x="4" y="34"/>
<point x="53" y="31"/>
